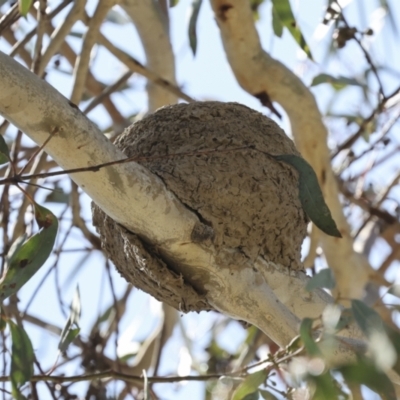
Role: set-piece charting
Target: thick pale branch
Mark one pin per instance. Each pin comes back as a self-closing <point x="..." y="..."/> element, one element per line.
<point x="89" y="40"/>
<point x="138" y="200"/>
<point x="134" y="197"/>
<point x="152" y="25"/>
<point x="264" y="77"/>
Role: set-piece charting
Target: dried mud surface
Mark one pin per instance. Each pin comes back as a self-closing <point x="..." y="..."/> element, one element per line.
<point x="250" y="201"/>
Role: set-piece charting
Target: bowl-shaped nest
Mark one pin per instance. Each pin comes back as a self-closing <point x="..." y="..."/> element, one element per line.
<point x="250" y="200"/>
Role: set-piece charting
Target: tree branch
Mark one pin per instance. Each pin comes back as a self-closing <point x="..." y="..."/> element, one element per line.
<point x="138" y="200"/>
<point x="262" y="76"/>
<point x="152" y="25"/>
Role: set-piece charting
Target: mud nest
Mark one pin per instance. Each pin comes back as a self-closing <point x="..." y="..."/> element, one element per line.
<point x="251" y="201"/>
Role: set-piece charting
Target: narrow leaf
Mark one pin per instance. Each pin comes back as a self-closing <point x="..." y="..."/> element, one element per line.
<point x="306" y="337"/>
<point x="194" y="14"/>
<point x="346" y="318"/>
<point x="276" y="23"/>
<point x="365" y="373"/>
<point x="4" y="152"/>
<point x="285" y="14"/>
<point x="267" y="395"/>
<point x="323" y="279"/>
<point x="337" y="83"/>
<point x="252" y="396"/>
<point x="28" y="258"/>
<point x="394" y="337"/>
<point x="366" y="318"/>
<point x="24" y="7"/>
<point x="3" y="322"/>
<point x="311" y="197"/>
<point x="325" y="388"/>
<point x="250" y="384"/>
<point x="381" y="349"/>
<point x="67" y="338"/>
<point x="58" y="195"/>
<point x="71" y="328"/>
<point x="22" y="358"/>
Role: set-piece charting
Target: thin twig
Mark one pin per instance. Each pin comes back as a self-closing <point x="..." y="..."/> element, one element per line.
<point x="95" y="168"/>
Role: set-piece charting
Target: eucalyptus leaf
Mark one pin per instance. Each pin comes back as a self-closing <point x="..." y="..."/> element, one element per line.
<point x="276" y="23"/>
<point x="252" y="396"/>
<point x="28" y="258"/>
<point x="367" y="319"/>
<point x="325" y="388"/>
<point x="194" y="14"/>
<point x="394" y="337"/>
<point x="337" y="83"/>
<point x="22" y="358"/>
<point x="71" y="328"/>
<point x="250" y="384"/>
<point x="24" y="6"/>
<point x="306" y="336"/>
<point x="323" y="279"/>
<point x="311" y="197"/>
<point x="267" y="395"/>
<point x="365" y="373"/>
<point x="284" y="13"/>
<point x="4" y="152"/>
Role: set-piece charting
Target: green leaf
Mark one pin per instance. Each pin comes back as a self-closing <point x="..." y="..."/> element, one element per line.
<point x="3" y="322"/>
<point x="325" y="388"/>
<point x="276" y="23"/>
<point x="284" y="13"/>
<point x="57" y="195"/>
<point x="346" y="318"/>
<point x="22" y="358"/>
<point x="4" y="152"/>
<point x="252" y="396"/>
<point x="323" y="279"/>
<point x="311" y="197"/>
<point x="367" y="319"/>
<point x="381" y="347"/>
<point x="267" y="395"/>
<point x="365" y="373"/>
<point x="250" y="384"/>
<point x="15" y="247"/>
<point x="193" y="16"/>
<point x="394" y="337"/>
<point x="27" y="258"/>
<point x="24" y="6"/>
<point x="173" y="3"/>
<point x="71" y="328"/>
<point x="337" y="83"/>
<point x="294" y="345"/>
<point x="306" y="337"/>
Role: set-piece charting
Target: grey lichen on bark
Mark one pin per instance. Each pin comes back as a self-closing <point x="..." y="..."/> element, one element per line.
<point x="245" y="200"/>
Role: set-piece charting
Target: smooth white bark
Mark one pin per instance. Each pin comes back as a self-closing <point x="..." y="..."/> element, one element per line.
<point x="139" y="201"/>
<point x="152" y="26"/>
